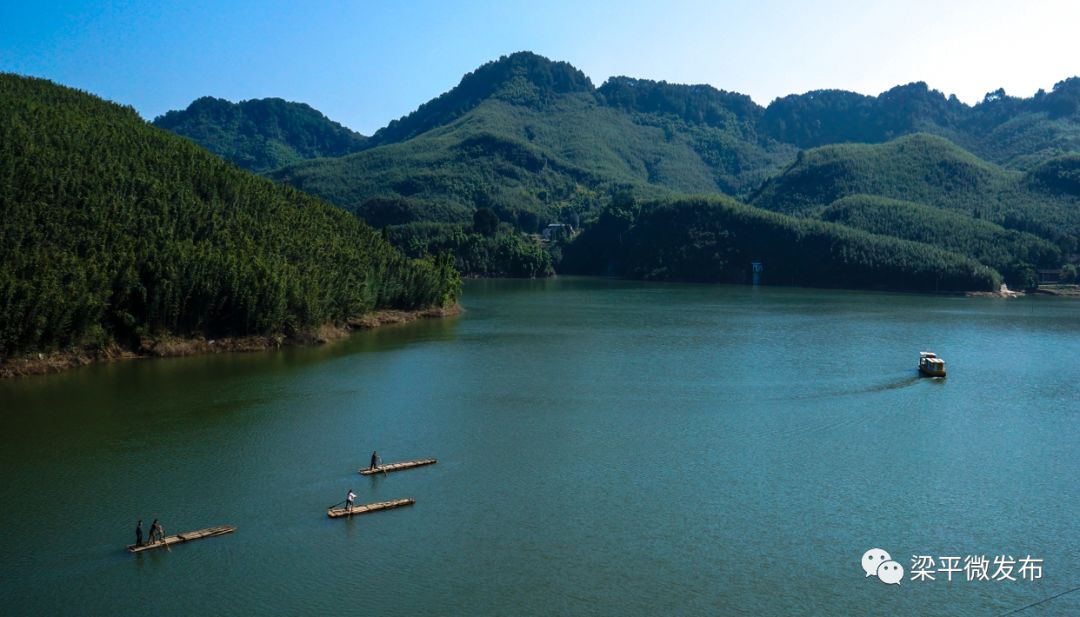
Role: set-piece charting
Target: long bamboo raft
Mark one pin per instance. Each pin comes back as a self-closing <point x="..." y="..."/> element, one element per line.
<point x="367" y="471"/>
<point x="370" y="507"/>
<point x="180" y="538"/>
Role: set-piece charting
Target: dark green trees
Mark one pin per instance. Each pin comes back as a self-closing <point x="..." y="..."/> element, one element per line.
<point x="112" y="229"/>
<point x="261" y="134"/>
<point x="503" y="252"/>
<point x="485" y="222"/>
<point x="717" y="239"/>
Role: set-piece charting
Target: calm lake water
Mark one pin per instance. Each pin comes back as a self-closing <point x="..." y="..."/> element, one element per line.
<point x="605" y="448"/>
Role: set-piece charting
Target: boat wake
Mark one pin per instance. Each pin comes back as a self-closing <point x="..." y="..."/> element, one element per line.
<point x="896" y="384"/>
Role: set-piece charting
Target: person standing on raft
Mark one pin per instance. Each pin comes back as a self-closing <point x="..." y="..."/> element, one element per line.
<point x="374" y="460"/>
<point x="348" y="500"/>
<point x="138" y="533"/>
<point x="156" y="531"/>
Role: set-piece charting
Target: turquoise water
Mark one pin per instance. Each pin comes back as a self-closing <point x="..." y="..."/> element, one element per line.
<point x="605" y="448"/>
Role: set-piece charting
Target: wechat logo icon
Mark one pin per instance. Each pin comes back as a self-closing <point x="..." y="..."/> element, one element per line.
<point x="877" y="562"/>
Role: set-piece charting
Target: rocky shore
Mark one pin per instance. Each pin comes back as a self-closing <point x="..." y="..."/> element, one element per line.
<point x="172" y="346"/>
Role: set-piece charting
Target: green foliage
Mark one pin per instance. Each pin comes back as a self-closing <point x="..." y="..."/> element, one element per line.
<point x="1068" y="274"/>
<point x="485" y="222"/>
<point x="1060" y="175"/>
<point x="836" y="116"/>
<point x="261" y="134"/>
<point x="501" y="253"/>
<point x="112" y="229"/>
<point x="533" y="141"/>
<point x="522" y="78"/>
<point x="716" y="239"/>
<point x="721" y="128"/>
<point x="1011" y="252"/>
<point x="923" y="169"/>
<point x="443" y="178"/>
<point x="1014" y="132"/>
<point x="382" y="211"/>
<point x="559" y="164"/>
<point x="488" y="143"/>
<point x="698" y="104"/>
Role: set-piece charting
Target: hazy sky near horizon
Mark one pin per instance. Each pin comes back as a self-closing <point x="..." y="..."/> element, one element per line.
<point x="366" y="63"/>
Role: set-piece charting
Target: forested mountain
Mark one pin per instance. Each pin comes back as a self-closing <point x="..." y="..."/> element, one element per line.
<point x="523" y="78"/>
<point x="113" y="230"/>
<point x="825" y="117"/>
<point x="716" y="240"/>
<point x="1010" y="131"/>
<point x="261" y="134"/>
<point x="1015" y="254"/>
<point x="534" y="142"/>
<point x="932" y="171"/>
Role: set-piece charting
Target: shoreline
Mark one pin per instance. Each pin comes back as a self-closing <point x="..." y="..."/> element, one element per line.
<point x="169" y="346"/>
<point x="1060" y="291"/>
<point x="1057" y="291"/>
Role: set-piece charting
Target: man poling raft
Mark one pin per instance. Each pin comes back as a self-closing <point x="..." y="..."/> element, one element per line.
<point x="374" y="469"/>
<point x="335" y="512"/>
<point x="156" y="530"/>
<point x="180" y="538"/>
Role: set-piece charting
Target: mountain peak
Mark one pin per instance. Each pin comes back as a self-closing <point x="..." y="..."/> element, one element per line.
<point x="553" y="76"/>
<point x="521" y="78"/>
<point x="261" y="134"/>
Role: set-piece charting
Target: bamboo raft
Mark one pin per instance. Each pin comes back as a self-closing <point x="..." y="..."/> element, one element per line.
<point x="370" y="507"/>
<point x="180" y="538"/>
<point x="367" y="471"/>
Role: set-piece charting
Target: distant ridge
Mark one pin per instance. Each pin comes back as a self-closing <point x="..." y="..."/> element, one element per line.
<point x="261" y="134"/>
<point x="535" y="143"/>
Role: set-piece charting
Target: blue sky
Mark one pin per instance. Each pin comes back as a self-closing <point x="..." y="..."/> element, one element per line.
<point x="366" y="63"/>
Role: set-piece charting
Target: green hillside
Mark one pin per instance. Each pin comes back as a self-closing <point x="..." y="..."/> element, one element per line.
<point x="823" y="117"/>
<point x="1022" y="133"/>
<point x="928" y="170"/>
<point x="536" y="142"/>
<point x="114" y="230"/>
<point x="527" y="135"/>
<point x="1058" y="177"/>
<point x="1014" y="254"/>
<point x="1014" y="132"/>
<point x="261" y="134"/>
<point x="523" y="78"/>
<point x="497" y="251"/>
<point x="512" y="159"/>
<point x="716" y="239"/>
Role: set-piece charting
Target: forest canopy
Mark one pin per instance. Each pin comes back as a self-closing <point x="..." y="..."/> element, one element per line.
<point x="113" y="230"/>
<point x="716" y="239"/>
